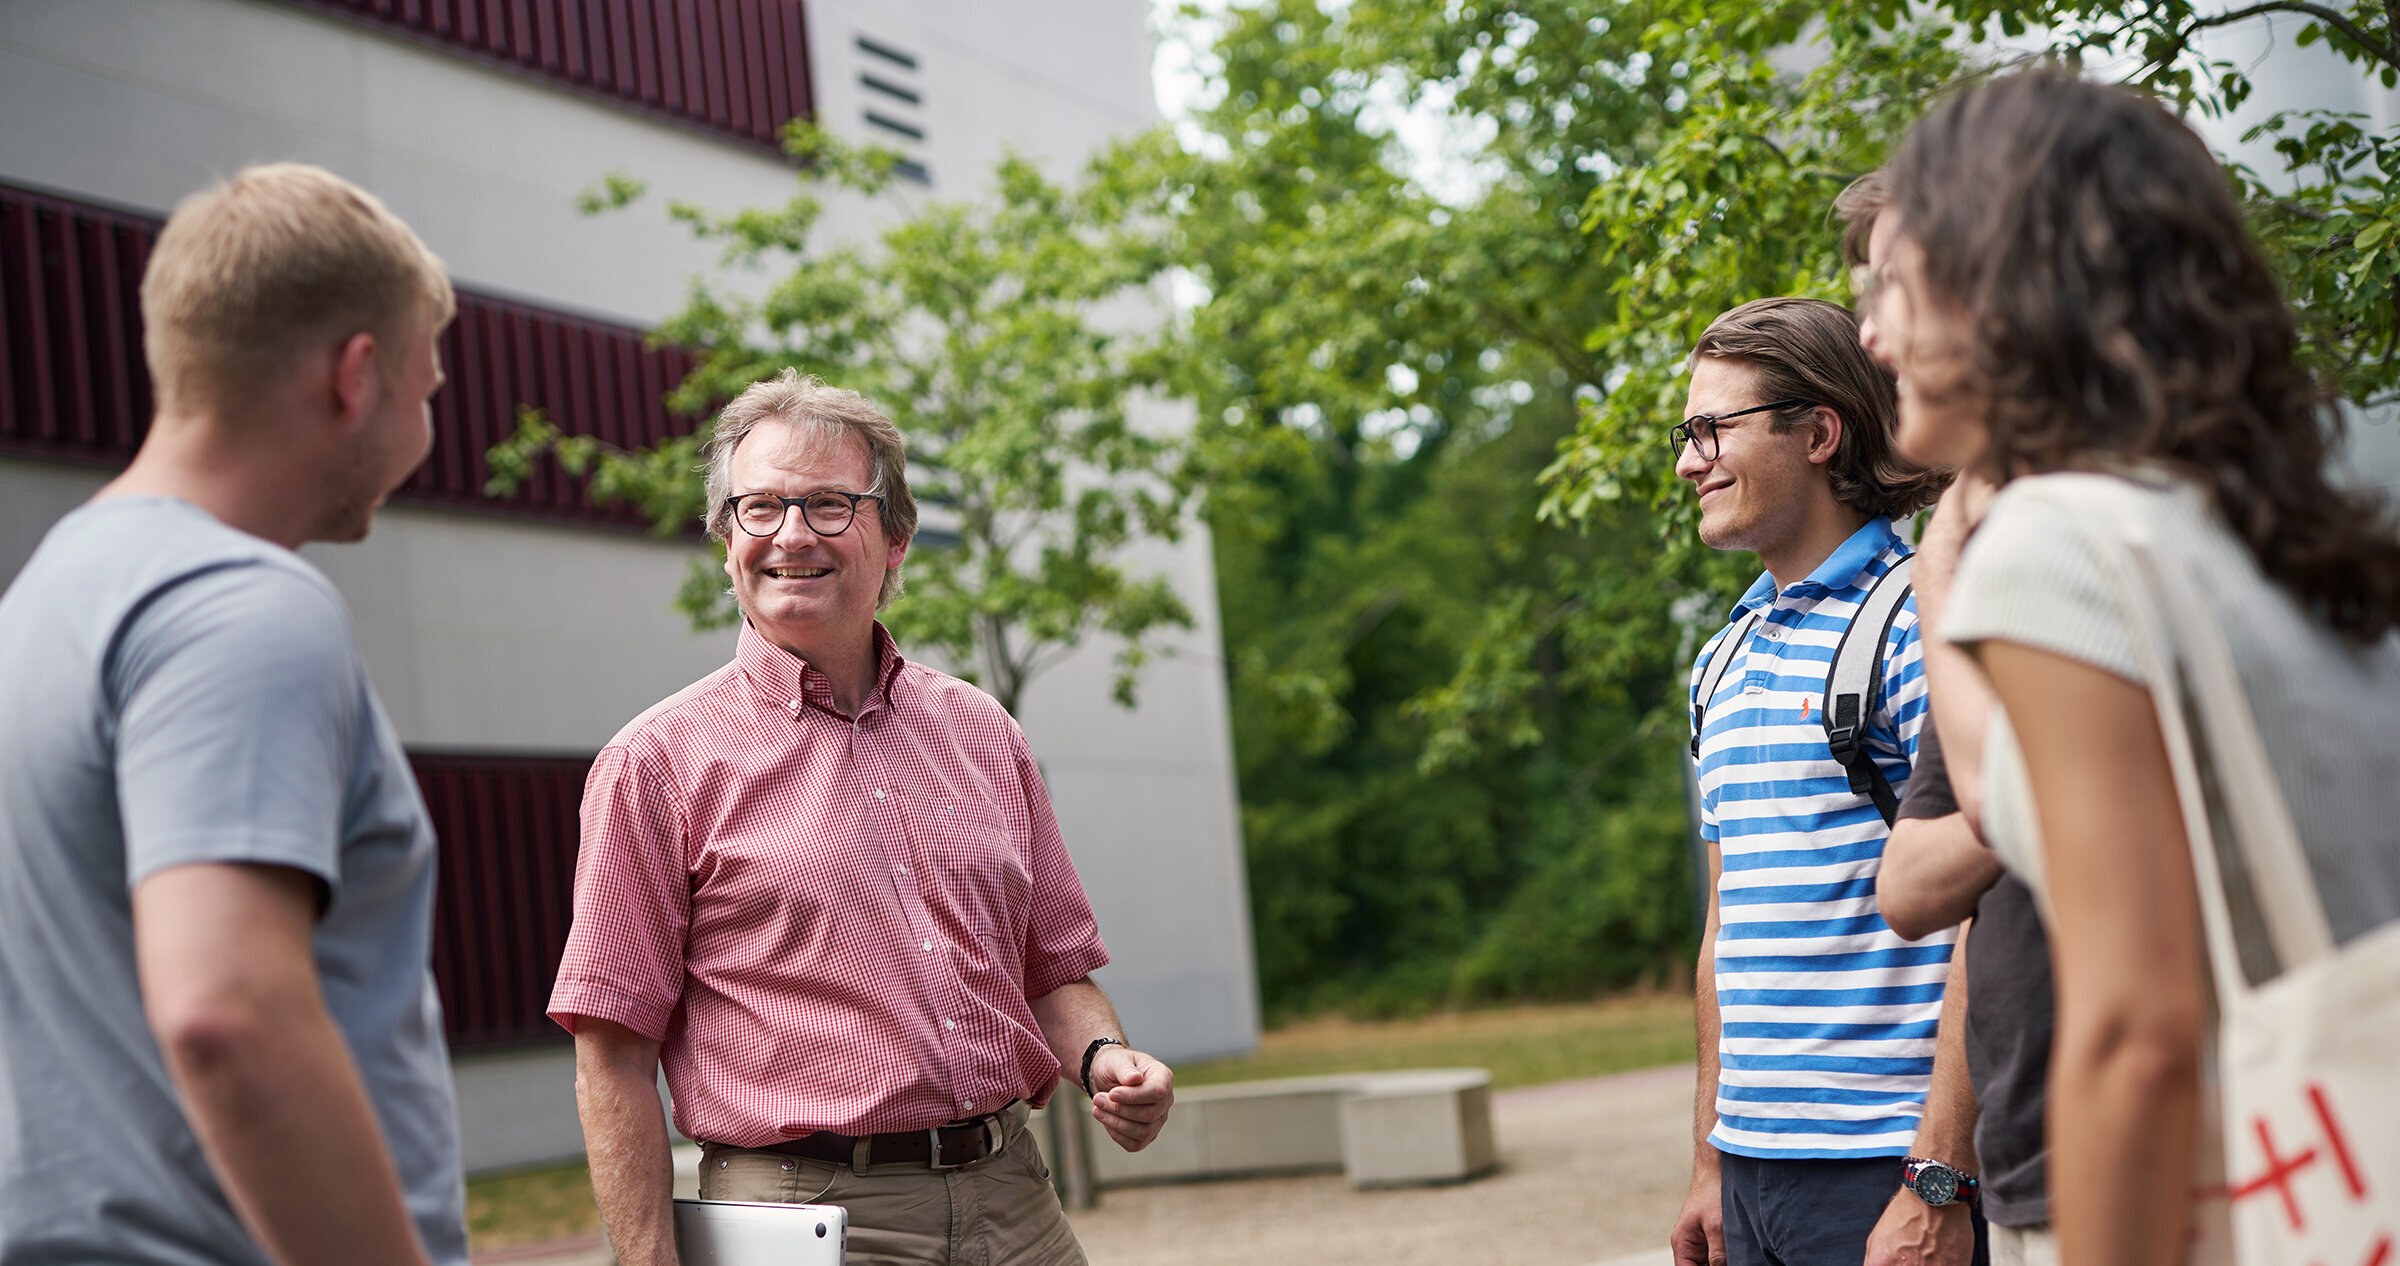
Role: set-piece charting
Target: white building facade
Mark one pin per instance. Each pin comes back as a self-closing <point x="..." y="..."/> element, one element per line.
<point x="510" y="639"/>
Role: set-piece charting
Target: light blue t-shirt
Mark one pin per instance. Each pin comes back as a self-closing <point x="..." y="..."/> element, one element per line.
<point x="174" y="691"/>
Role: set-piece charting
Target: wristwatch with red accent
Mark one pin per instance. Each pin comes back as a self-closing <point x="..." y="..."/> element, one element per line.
<point x="1938" y="1184"/>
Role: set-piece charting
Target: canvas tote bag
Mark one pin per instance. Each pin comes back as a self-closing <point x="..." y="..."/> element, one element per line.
<point x="2300" y="1142"/>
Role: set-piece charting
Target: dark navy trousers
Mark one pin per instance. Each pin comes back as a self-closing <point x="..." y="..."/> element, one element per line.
<point x="1810" y="1212"/>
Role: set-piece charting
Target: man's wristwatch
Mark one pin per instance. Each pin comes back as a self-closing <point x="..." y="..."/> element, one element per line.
<point x="1938" y="1184"/>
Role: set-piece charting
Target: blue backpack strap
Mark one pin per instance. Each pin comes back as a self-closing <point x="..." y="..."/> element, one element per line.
<point x="1855" y="685"/>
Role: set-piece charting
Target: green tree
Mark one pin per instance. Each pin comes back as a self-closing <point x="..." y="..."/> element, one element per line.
<point x="1382" y="375"/>
<point x="1731" y="202"/>
<point x="1457" y="684"/>
<point x="984" y="330"/>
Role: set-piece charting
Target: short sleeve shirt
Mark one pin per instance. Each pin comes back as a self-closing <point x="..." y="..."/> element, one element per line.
<point x="2010" y="1014"/>
<point x="828" y="922"/>
<point x="178" y="692"/>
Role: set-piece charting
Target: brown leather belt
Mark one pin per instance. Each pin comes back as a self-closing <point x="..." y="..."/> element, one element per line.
<point x="951" y="1146"/>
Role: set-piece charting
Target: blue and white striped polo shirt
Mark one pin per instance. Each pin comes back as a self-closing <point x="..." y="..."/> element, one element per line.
<point x="1826" y="1016"/>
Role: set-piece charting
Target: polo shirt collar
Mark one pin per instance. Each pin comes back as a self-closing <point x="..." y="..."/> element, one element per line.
<point x="784" y="680"/>
<point x="1839" y="571"/>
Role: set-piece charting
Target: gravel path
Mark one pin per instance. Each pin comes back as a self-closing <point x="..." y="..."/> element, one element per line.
<point x="1591" y="1172"/>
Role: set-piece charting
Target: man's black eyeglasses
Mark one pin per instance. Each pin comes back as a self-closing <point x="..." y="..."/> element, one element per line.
<point x="1700" y="429"/>
<point x="827" y="513"/>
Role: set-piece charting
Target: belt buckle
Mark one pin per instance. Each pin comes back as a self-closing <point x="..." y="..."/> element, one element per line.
<point x="933" y="1138"/>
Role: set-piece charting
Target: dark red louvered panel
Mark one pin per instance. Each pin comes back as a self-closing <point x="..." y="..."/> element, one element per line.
<point x="507" y="829"/>
<point x="71" y="374"/>
<point x="735" y="68"/>
<point x="73" y="383"/>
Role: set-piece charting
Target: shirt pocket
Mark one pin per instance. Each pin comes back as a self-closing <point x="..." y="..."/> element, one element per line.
<point x="979" y="867"/>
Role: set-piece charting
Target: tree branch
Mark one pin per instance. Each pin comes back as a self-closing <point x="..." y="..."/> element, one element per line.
<point x="2384" y="51"/>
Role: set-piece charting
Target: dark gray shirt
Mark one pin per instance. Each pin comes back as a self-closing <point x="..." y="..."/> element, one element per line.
<point x="2009" y="1008"/>
<point x="173" y="691"/>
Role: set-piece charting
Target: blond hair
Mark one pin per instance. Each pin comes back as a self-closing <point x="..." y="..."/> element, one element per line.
<point x="282" y="259"/>
<point x="805" y="403"/>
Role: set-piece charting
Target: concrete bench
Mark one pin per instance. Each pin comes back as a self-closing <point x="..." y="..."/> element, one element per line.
<point x="1381" y="1129"/>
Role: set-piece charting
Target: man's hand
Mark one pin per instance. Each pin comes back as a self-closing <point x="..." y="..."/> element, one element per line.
<point x="1914" y="1233"/>
<point x="1131" y="1094"/>
<point x="1699" y="1238"/>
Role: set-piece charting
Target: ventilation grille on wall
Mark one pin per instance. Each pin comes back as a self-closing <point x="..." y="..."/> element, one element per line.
<point x="507" y="827"/>
<point x="73" y="383"/>
<point x="895" y="104"/>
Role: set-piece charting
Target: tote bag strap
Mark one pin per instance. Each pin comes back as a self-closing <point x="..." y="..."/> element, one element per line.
<point x="2199" y="700"/>
<point x="2255" y="814"/>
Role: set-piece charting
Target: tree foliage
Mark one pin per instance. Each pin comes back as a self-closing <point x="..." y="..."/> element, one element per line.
<point x="1732" y="201"/>
<point x="1460" y="583"/>
<point x="1382" y="375"/>
<point x="985" y="330"/>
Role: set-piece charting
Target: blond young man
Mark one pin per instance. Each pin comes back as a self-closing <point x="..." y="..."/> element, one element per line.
<point x="218" y="1030"/>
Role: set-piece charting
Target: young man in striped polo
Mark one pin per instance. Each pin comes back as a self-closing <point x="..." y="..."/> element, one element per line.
<point x="1817" y="1022"/>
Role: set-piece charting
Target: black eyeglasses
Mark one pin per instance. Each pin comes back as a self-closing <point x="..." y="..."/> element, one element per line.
<point x="827" y="513"/>
<point x="1700" y="429"/>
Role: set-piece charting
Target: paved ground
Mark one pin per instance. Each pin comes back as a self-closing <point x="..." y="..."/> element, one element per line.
<point x="1590" y="1172"/>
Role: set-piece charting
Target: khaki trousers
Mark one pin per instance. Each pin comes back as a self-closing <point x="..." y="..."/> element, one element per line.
<point x="999" y="1211"/>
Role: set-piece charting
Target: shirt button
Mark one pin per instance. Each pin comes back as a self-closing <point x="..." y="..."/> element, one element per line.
<point x="794" y="705"/>
<point x="879" y="793"/>
<point x="929" y="945"/>
<point x="903" y="869"/>
<point x="966" y="1103"/>
<point x="949" y="1024"/>
<point x="1754" y="690"/>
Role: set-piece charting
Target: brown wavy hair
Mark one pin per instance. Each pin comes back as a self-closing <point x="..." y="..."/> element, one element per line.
<point x="2118" y="310"/>
<point x="1807" y="349"/>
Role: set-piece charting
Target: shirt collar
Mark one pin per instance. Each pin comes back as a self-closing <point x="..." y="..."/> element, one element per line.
<point x="785" y="681"/>
<point x="1839" y="571"/>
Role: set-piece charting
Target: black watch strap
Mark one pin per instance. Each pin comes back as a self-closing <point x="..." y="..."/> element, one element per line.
<point x="1092" y="1050"/>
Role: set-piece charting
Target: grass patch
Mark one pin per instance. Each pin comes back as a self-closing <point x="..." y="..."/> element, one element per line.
<point x="530" y="1206"/>
<point x="1522" y="1045"/>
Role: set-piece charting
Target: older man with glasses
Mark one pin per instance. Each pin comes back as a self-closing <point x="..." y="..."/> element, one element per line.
<point x="824" y="889"/>
<point x="1817" y="1022"/>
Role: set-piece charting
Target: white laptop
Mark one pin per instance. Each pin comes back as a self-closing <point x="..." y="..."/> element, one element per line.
<point x="741" y="1233"/>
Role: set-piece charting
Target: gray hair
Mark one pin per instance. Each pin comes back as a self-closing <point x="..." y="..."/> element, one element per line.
<point x="804" y="403"/>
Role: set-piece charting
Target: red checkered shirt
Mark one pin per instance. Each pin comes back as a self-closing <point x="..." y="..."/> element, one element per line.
<point x="827" y="922"/>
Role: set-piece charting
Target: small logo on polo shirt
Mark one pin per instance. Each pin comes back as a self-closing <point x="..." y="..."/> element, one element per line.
<point x="1804" y="709"/>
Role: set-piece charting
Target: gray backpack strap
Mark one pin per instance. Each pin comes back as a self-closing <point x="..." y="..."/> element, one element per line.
<point x="1729" y="649"/>
<point x="1855" y="686"/>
